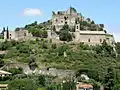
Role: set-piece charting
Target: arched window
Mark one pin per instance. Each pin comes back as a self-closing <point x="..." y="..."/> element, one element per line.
<point x="88" y="40"/>
<point x="56" y="20"/>
<point x="65" y="17"/>
<point x="24" y="34"/>
<point x="61" y="21"/>
<point x="77" y="27"/>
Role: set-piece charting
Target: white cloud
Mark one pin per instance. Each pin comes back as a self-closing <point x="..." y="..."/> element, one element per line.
<point x="32" y="12"/>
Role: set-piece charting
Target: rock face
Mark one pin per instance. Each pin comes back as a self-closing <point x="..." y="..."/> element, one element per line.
<point x="44" y="71"/>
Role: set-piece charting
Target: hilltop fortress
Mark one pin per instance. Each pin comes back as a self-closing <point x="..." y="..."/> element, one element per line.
<point x="84" y="30"/>
<point x="83" y="34"/>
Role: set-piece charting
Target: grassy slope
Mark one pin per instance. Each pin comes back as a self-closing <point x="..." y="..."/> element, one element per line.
<point x="46" y="55"/>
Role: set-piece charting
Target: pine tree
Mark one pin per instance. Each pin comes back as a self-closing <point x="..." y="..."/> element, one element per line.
<point x="7" y="33"/>
<point x="3" y="31"/>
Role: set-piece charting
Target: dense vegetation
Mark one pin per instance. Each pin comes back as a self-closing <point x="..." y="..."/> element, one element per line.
<point x="100" y="63"/>
<point x="39" y="30"/>
<point x="93" y="61"/>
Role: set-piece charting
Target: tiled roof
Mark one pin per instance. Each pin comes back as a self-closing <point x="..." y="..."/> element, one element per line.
<point x="85" y="86"/>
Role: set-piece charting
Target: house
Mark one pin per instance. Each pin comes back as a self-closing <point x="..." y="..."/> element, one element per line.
<point x="4" y="73"/>
<point x="84" y="87"/>
<point x="3" y="86"/>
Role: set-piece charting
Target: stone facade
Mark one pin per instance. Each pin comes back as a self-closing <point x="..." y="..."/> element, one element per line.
<point x="87" y="36"/>
<point x="66" y="17"/>
<point x="93" y="37"/>
<point x="20" y="34"/>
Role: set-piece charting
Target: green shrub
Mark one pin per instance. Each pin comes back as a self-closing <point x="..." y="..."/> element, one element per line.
<point x="22" y="84"/>
<point x="54" y="46"/>
<point x="15" y="71"/>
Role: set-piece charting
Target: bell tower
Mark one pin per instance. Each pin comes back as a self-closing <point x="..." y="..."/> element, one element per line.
<point x="77" y="27"/>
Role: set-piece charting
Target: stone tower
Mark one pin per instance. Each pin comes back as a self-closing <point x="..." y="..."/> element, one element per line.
<point x="65" y="17"/>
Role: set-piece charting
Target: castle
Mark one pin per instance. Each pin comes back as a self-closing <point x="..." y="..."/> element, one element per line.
<point x="18" y="34"/>
<point x="92" y="34"/>
<point x="66" y="17"/>
<point x="72" y="18"/>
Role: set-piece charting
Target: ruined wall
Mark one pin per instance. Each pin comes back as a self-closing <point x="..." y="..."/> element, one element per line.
<point x="44" y="71"/>
<point x="17" y="35"/>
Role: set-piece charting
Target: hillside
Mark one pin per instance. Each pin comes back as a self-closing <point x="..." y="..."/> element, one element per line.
<point x="65" y="56"/>
<point x="100" y="62"/>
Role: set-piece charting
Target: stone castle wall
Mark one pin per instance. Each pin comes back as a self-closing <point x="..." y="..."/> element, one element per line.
<point x="17" y="35"/>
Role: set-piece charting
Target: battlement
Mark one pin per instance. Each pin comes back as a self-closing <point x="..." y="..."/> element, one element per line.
<point x="70" y="11"/>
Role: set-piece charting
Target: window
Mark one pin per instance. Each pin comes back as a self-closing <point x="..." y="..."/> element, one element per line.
<point x="65" y="22"/>
<point x="88" y="40"/>
<point x="61" y="21"/>
<point x="100" y="40"/>
<point x="77" y="27"/>
<point x="24" y="34"/>
<point x="10" y="34"/>
<point x="65" y="18"/>
<point x="56" y="20"/>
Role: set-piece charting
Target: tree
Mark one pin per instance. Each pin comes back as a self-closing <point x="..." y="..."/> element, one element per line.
<point x="92" y="22"/>
<point x="1" y="62"/>
<point x="54" y="46"/>
<point x="109" y="80"/>
<point x="93" y="27"/>
<point x="35" y="23"/>
<point x="32" y="64"/>
<point x="17" y="29"/>
<point x="54" y="29"/>
<point x="65" y="36"/>
<point x="64" y="33"/>
<point x="7" y="33"/>
<point x="118" y="47"/>
<point x="69" y="85"/>
<point x="41" y="80"/>
<point x="15" y="71"/>
<point x="84" y="23"/>
<point x="88" y="19"/>
<point x="22" y="84"/>
<point x="107" y="48"/>
<point x="102" y="25"/>
<point x="3" y="31"/>
<point x="53" y="13"/>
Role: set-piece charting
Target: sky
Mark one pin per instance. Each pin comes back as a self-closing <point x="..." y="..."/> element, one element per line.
<point x="18" y="13"/>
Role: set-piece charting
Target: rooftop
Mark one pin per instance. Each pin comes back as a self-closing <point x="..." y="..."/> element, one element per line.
<point x="3" y="85"/>
<point x="85" y="86"/>
<point x="4" y="72"/>
<point x="93" y="32"/>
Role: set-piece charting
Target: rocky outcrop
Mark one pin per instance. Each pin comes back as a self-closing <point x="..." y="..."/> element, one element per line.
<point x="44" y="71"/>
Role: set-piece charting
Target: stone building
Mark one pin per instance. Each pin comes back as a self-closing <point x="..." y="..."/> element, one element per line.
<point x="66" y="17"/>
<point x="4" y="73"/>
<point x="84" y="87"/>
<point x="71" y="17"/>
<point x="19" y="34"/>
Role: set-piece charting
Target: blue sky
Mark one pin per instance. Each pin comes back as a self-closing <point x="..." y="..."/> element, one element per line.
<point x="13" y="13"/>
